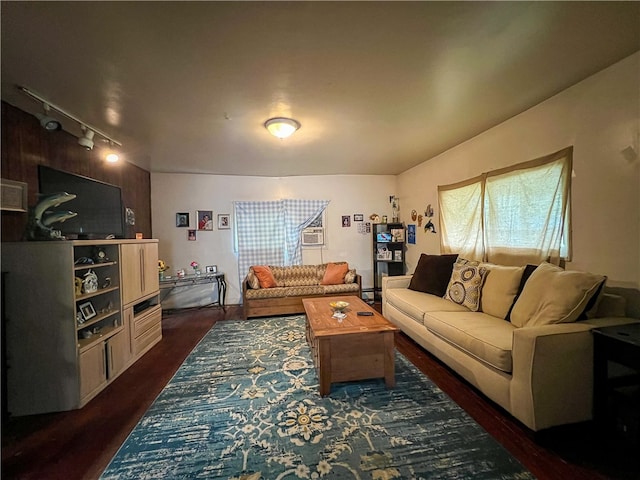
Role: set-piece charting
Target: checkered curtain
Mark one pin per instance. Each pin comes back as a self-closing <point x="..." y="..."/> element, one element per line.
<point x="298" y="214"/>
<point x="268" y="233"/>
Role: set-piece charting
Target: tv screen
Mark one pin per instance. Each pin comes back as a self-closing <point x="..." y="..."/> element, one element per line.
<point x="98" y="204"/>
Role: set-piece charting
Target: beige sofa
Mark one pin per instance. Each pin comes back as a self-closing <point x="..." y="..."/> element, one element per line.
<point x="540" y="373"/>
<point x="293" y="283"/>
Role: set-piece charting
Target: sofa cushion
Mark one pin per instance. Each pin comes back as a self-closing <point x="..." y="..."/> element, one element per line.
<point x="280" y="274"/>
<point x="340" y="288"/>
<point x="483" y="336"/>
<point x="528" y="270"/>
<point x="466" y="282"/>
<point x="281" y="292"/>
<point x="301" y="275"/>
<point x="334" y="274"/>
<point x="499" y="289"/>
<point x="553" y="295"/>
<point x="265" y="276"/>
<point x="432" y="274"/>
<point x="415" y="304"/>
<point x="252" y="280"/>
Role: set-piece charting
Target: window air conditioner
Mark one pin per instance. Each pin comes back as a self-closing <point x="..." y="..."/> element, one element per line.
<point x="312" y="236"/>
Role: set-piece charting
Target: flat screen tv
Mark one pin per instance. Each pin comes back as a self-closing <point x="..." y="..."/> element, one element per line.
<point x="98" y="204"/>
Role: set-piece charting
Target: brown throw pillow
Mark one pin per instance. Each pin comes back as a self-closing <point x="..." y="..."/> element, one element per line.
<point x="265" y="276"/>
<point x="432" y="274"/>
<point x="334" y="274"/>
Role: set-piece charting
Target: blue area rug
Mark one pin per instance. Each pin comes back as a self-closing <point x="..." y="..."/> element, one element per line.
<point x="245" y="405"/>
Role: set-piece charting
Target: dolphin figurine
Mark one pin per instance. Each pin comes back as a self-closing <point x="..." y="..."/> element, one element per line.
<point x="36" y="228"/>
<point x="49" y="201"/>
<point x="57" y="216"/>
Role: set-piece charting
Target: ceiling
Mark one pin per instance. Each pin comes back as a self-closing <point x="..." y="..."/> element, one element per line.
<point x="378" y="87"/>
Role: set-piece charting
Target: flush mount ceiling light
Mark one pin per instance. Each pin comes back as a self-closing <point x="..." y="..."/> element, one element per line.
<point x="88" y="132"/>
<point x="48" y="122"/>
<point x="282" y="127"/>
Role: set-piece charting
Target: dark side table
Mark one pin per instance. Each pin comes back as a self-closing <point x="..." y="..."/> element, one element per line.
<point x="619" y="344"/>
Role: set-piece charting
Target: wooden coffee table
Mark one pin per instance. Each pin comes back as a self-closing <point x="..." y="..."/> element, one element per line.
<point x="356" y="348"/>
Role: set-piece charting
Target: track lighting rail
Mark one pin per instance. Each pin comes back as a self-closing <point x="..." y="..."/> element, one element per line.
<point x="47" y="105"/>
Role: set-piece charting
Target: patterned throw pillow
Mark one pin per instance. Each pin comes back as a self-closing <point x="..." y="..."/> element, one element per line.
<point x="252" y="280"/>
<point x="466" y="284"/>
<point x="350" y="277"/>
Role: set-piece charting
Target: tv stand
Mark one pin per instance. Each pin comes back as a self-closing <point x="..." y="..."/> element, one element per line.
<point x="66" y="340"/>
<point x="92" y="236"/>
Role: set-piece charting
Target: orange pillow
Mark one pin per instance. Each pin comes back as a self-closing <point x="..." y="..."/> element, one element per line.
<point x="334" y="275"/>
<point x="265" y="277"/>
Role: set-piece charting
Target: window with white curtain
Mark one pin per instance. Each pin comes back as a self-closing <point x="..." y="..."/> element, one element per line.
<point x="268" y="232"/>
<point x="515" y="215"/>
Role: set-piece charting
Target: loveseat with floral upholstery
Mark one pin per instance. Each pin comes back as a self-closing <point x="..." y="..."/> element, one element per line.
<point x="276" y="290"/>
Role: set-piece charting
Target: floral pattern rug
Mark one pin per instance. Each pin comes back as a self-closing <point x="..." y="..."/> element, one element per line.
<point x="245" y="405"/>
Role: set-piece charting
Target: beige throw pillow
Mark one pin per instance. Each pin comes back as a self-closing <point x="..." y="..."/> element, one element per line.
<point x="499" y="289"/>
<point x="466" y="283"/>
<point x="553" y="295"/>
<point x="253" y="281"/>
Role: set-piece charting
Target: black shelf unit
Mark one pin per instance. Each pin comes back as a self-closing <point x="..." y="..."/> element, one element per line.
<point x="388" y="253"/>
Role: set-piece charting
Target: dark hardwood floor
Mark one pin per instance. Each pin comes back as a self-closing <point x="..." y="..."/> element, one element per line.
<point x="79" y="444"/>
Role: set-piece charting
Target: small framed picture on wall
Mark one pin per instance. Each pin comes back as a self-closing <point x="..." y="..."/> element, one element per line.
<point x="223" y="221"/>
<point x="191" y="235"/>
<point x="182" y="219"/>
<point x="205" y="220"/>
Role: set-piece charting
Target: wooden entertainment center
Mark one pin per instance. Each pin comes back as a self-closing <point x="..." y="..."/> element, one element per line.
<point x="70" y="333"/>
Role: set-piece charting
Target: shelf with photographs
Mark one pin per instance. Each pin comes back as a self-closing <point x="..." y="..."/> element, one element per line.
<point x="388" y="253"/>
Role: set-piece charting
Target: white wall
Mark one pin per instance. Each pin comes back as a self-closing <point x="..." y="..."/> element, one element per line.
<point x="172" y="193"/>
<point x="600" y="117"/>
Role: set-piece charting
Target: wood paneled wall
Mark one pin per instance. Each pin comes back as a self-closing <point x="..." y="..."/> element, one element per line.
<point x="25" y="145"/>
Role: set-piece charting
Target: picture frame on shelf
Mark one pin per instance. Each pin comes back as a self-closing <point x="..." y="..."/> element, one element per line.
<point x="182" y="219"/>
<point x="211" y="269"/>
<point x="397" y="255"/>
<point x="224" y="221"/>
<point x="383" y="254"/>
<point x="397" y="234"/>
<point x="205" y="219"/>
<point x="87" y="310"/>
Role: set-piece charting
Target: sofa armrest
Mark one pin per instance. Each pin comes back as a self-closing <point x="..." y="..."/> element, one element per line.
<point x="397" y="281"/>
<point x="553" y="373"/>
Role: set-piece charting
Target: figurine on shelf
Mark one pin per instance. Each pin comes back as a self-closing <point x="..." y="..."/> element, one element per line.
<point x="100" y="255"/>
<point x="78" y="285"/>
<point x="395" y="205"/>
<point x="162" y="267"/>
<point x="41" y="218"/>
<point x="90" y="282"/>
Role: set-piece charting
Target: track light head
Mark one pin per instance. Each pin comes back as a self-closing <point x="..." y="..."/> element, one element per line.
<point x="49" y="123"/>
<point x="86" y="140"/>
